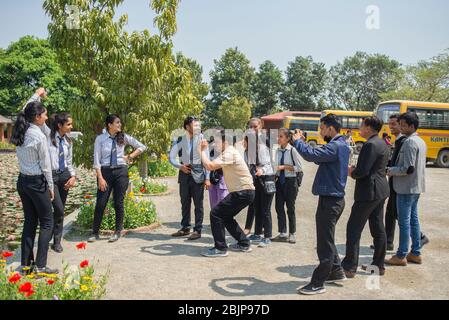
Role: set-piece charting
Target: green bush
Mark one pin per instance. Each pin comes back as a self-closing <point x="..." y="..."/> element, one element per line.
<point x="7" y="146"/>
<point x="137" y="214"/>
<point x="161" y="168"/>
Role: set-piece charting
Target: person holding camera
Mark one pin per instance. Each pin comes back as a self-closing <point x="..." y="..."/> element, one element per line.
<point x="192" y="179"/>
<point x="329" y="185"/>
<point x="289" y="177"/>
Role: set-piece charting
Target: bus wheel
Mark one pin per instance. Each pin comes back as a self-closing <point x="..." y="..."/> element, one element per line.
<point x="313" y="144"/>
<point x="358" y="147"/>
<point x="443" y="159"/>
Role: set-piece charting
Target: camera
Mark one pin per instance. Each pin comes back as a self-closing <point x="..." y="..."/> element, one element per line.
<point x="292" y="132"/>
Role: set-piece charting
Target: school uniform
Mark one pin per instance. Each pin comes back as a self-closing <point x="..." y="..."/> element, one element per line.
<point x="33" y="185"/>
<point x="191" y="186"/>
<point x="287" y="186"/>
<point x="61" y="158"/>
<point x="261" y="207"/>
<point x="109" y="157"/>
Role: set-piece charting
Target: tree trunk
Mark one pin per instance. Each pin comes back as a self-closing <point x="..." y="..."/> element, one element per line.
<point x="143" y="167"/>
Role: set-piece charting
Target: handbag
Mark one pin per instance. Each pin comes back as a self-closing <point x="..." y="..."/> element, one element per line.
<point x="268" y="183"/>
<point x="300" y="174"/>
<point x="215" y="176"/>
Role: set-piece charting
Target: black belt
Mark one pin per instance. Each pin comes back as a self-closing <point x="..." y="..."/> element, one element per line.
<point x="30" y="177"/>
<point x="55" y="172"/>
<point x="115" y="167"/>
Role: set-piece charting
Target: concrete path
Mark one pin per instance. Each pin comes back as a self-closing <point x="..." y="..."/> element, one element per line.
<point x="156" y="266"/>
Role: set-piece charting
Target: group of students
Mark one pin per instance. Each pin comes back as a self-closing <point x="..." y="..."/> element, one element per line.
<point x="267" y="180"/>
<point x="47" y="174"/>
<point x="248" y="180"/>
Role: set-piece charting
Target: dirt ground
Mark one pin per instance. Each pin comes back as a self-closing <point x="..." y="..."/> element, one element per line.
<point x="157" y="266"/>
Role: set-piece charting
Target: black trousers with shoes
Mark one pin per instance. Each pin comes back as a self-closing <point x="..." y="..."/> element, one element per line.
<point x="190" y="190"/>
<point x="36" y="201"/>
<point x="328" y="213"/>
<point x="118" y="180"/>
<point x="391" y="215"/>
<point x="222" y="217"/>
<point x="286" y="195"/>
<point x="262" y="212"/>
<point x="59" y="180"/>
<point x="363" y="211"/>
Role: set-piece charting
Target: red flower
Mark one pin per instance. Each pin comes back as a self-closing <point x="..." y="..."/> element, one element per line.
<point x="143" y="190"/>
<point x="81" y="245"/>
<point x="84" y="264"/>
<point x="26" y="287"/>
<point x="7" y="254"/>
<point x="15" y="278"/>
<point x="29" y="293"/>
<point x="88" y="197"/>
<point x="50" y="281"/>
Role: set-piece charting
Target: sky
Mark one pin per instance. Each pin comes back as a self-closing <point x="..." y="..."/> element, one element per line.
<point x="276" y="30"/>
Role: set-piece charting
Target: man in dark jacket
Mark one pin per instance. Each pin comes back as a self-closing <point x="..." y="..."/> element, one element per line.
<point x="329" y="185"/>
<point x="371" y="191"/>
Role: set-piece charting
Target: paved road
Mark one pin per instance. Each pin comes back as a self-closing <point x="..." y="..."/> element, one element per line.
<point x="156" y="266"/>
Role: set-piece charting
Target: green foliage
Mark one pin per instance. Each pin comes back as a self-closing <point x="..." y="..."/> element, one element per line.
<point x="137" y="214"/>
<point x="235" y="113"/>
<point x="267" y="87"/>
<point x="7" y="146"/>
<point x="26" y="65"/>
<point x="304" y="85"/>
<point x="147" y="185"/>
<point x="75" y="283"/>
<point x="161" y="168"/>
<point x="426" y="81"/>
<point x="359" y="81"/>
<point x="132" y="74"/>
<point x="231" y="77"/>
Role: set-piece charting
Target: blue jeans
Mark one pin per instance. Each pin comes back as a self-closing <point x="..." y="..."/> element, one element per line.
<point x="408" y="224"/>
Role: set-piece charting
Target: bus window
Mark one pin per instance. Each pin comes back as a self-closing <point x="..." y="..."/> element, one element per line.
<point x="385" y="111"/>
<point x="437" y="119"/>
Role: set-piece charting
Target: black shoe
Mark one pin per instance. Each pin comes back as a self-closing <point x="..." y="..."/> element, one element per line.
<point x="311" y="290"/>
<point x="57" y="248"/>
<point x="424" y="240"/>
<point x="93" y="237"/>
<point x="114" y="237"/>
<point x="46" y="270"/>
<point x="337" y="276"/>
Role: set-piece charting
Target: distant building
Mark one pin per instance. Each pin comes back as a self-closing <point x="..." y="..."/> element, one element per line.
<point x="5" y="129"/>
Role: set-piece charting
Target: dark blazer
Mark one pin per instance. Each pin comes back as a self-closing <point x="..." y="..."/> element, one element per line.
<point x="370" y="174"/>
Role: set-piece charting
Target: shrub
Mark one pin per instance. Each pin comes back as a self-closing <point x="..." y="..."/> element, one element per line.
<point x="160" y="168"/>
<point x="137" y="214"/>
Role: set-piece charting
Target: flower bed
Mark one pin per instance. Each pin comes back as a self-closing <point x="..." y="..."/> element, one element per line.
<point x="148" y="186"/>
<point x="138" y="213"/>
<point x="161" y="168"/>
<point x="75" y="283"/>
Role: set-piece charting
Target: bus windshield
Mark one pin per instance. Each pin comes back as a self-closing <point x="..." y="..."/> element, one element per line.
<point x="385" y="111"/>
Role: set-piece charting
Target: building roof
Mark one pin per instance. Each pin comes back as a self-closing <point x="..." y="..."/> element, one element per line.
<point x="4" y="120"/>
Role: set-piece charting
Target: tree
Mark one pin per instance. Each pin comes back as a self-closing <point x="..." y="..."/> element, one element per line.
<point x="26" y="65"/>
<point x="132" y="74"/>
<point x="235" y="113"/>
<point x="200" y="88"/>
<point x="267" y="87"/>
<point x="358" y="82"/>
<point x="304" y="85"/>
<point x="425" y="81"/>
<point x="231" y="77"/>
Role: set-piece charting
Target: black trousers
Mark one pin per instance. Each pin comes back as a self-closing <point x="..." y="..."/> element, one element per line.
<point x="37" y="210"/>
<point x="363" y="211"/>
<point x="250" y="217"/>
<point x="118" y="181"/>
<point x="190" y="190"/>
<point x="262" y="212"/>
<point x="59" y="180"/>
<point x="391" y="215"/>
<point x="222" y="217"/>
<point x="286" y="195"/>
<point x="328" y="213"/>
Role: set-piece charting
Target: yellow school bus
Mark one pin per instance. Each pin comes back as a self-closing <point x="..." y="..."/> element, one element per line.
<point x="308" y="125"/>
<point x="350" y="121"/>
<point x="433" y="125"/>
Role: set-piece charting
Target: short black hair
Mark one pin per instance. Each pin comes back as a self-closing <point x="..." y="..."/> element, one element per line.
<point x="410" y="118"/>
<point x="394" y="116"/>
<point x="188" y="121"/>
<point x="374" y="123"/>
<point x="331" y="120"/>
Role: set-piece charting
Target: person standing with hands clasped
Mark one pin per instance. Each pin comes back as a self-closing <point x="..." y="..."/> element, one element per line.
<point x="329" y="185"/>
<point x="34" y="185"/>
<point x="289" y="176"/>
<point x="111" y="167"/>
<point x="371" y="191"/>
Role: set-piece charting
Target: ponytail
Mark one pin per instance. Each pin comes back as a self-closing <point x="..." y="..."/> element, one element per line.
<point x="24" y="119"/>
